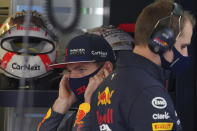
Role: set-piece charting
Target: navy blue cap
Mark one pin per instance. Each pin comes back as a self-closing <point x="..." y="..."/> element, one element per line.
<point x="87" y="48"/>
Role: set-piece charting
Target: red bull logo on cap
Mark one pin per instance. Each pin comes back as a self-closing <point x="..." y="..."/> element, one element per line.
<point x="104" y="97"/>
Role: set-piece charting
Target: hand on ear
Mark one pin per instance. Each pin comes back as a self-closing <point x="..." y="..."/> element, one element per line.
<point x="65" y="98"/>
<point x="96" y="80"/>
<point x="108" y="66"/>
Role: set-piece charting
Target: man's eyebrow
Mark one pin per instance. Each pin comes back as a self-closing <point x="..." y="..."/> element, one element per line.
<point x="185" y="44"/>
<point x="79" y="66"/>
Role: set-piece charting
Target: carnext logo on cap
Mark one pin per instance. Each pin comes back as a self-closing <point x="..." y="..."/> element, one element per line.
<point x="100" y="53"/>
<point x="80" y="51"/>
<point x="159" y="102"/>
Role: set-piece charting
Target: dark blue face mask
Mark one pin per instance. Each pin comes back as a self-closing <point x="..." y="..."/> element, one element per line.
<point x="179" y="63"/>
<point x="79" y="85"/>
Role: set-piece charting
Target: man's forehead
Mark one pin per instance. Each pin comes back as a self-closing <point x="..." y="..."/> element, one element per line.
<point x="79" y="65"/>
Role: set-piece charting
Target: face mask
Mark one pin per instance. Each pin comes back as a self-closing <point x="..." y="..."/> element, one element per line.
<point x="79" y="85"/>
<point x="179" y="63"/>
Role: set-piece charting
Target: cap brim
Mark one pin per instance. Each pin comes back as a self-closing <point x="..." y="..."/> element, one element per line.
<point x="63" y="65"/>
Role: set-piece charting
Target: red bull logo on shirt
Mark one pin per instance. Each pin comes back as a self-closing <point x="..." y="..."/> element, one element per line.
<point x="84" y="108"/>
<point x="106" y="118"/>
<point x="46" y="117"/>
<point x="104" y="97"/>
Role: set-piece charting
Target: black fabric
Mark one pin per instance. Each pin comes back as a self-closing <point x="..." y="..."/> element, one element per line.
<point x="131" y="89"/>
<point x="48" y="82"/>
<point x="59" y="122"/>
<point x="67" y="124"/>
<point x="7" y="83"/>
<point x="52" y="123"/>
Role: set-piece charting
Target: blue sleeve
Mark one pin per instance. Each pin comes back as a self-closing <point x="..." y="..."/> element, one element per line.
<point x="51" y="121"/>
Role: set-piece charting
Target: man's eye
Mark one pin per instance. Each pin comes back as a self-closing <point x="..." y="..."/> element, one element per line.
<point x="82" y="70"/>
<point x="182" y="47"/>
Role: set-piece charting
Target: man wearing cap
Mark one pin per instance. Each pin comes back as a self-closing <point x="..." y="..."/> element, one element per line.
<point x="122" y="44"/>
<point x="88" y="60"/>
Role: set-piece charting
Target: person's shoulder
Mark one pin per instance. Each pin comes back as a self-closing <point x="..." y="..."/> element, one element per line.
<point x="134" y="76"/>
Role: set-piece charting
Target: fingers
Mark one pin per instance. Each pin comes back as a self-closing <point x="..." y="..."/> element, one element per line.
<point x="65" y="91"/>
<point x="94" y="83"/>
<point x="106" y="73"/>
<point x="63" y="80"/>
<point x="102" y="74"/>
<point x="64" y="84"/>
<point x="99" y="77"/>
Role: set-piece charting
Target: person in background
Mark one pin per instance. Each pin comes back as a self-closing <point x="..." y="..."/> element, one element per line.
<point x="120" y="40"/>
<point x="134" y="97"/>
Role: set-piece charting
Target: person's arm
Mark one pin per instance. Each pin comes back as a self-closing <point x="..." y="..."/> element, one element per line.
<point x="60" y="107"/>
<point x="66" y="97"/>
<point x="153" y="110"/>
<point x="51" y="121"/>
